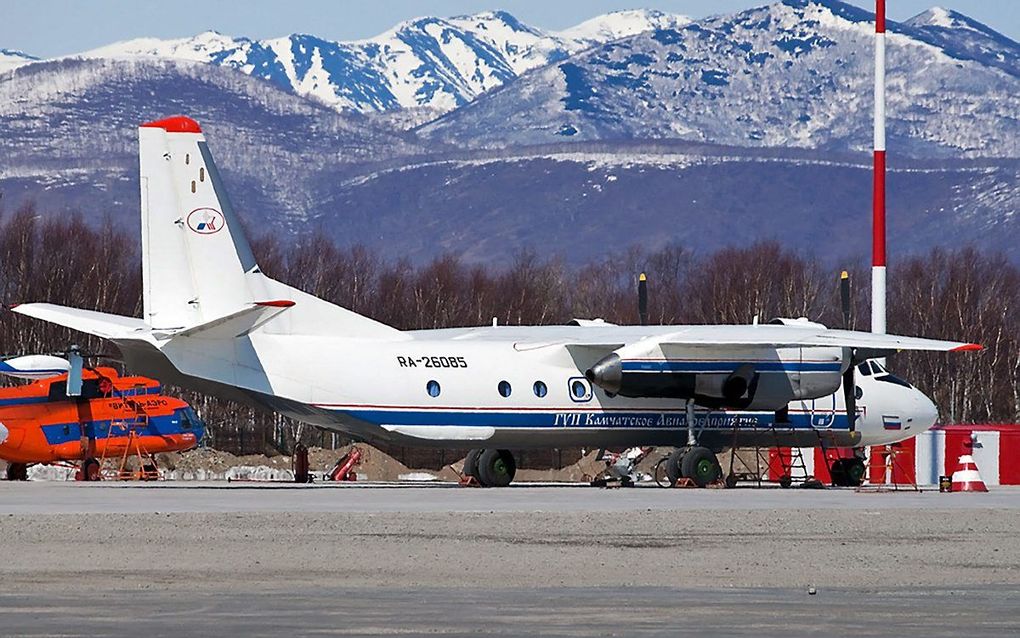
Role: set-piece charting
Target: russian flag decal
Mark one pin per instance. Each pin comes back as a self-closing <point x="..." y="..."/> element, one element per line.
<point x="891" y="422"/>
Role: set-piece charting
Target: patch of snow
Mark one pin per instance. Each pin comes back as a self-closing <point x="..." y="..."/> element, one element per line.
<point x="418" y="477"/>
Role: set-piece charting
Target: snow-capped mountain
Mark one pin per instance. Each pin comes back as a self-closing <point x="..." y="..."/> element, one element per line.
<point x="796" y="73"/>
<point x="11" y="59"/>
<point x="574" y="144"/>
<point x="433" y="63"/>
<point x="966" y="38"/>
<point x="69" y="140"/>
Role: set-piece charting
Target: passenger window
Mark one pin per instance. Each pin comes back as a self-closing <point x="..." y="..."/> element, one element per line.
<point x="580" y="390"/>
<point x="504" y="388"/>
<point x="877" y="369"/>
<point x="540" y="389"/>
<point x="432" y="387"/>
<point x="201" y="174"/>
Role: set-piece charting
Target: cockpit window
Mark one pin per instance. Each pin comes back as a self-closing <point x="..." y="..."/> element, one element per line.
<point x="892" y="378"/>
<point x="190" y="419"/>
<point x="864" y="369"/>
<point x="877" y="369"/>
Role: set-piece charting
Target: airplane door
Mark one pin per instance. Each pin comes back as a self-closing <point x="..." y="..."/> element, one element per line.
<point x="823" y="411"/>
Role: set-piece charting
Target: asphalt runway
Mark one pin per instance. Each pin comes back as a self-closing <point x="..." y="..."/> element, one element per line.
<point x="266" y="560"/>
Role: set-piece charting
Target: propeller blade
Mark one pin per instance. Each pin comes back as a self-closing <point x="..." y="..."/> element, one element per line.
<point x="642" y="299"/>
<point x="844" y="298"/>
<point x="850" y="393"/>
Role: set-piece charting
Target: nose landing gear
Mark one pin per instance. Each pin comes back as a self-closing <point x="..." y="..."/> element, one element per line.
<point x="848" y="472"/>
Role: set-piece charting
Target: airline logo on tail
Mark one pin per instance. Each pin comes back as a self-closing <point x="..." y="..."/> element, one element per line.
<point x="205" y="221"/>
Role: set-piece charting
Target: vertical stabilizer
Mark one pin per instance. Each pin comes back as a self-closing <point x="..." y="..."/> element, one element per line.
<point x="197" y="265"/>
<point x="194" y="254"/>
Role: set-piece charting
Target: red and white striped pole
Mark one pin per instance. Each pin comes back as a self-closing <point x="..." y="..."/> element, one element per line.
<point x="878" y="190"/>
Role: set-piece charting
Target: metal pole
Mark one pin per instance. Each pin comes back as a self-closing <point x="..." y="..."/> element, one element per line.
<point x="878" y="263"/>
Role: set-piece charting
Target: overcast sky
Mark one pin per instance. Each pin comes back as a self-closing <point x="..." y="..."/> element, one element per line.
<point x="48" y="28"/>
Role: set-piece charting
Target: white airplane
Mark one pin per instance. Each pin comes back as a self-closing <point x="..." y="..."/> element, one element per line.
<point x="213" y="322"/>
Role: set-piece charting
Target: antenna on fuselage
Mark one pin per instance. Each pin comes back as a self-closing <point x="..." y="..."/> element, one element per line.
<point x="642" y="299"/>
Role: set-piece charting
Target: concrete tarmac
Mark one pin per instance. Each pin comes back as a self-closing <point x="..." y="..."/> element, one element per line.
<point x="263" y="560"/>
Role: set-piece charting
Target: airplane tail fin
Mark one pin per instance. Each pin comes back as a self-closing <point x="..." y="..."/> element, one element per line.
<point x="197" y="265"/>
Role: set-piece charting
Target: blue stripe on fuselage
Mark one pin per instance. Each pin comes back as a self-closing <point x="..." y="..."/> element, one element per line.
<point x="58" y="433"/>
<point x="598" y="419"/>
<point x="728" y="366"/>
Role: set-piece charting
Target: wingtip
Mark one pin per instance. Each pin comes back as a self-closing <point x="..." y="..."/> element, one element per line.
<point x="968" y="347"/>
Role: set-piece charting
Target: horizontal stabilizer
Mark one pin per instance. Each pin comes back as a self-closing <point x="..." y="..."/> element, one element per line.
<point x="100" y="324"/>
<point x="234" y="325"/>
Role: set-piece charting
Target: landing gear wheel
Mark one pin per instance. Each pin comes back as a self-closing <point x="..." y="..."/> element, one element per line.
<point x="17" y="472"/>
<point x="471" y="464"/>
<point x="785" y="481"/>
<point x="839" y="473"/>
<point x="496" y="468"/>
<point x="701" y="466"/>
<point x="661" y="473"/>
<point x="674" y="466"/>
<point x="855" y="471"/>
<point x="731" y="481"/>
<point x="90" y="470"/>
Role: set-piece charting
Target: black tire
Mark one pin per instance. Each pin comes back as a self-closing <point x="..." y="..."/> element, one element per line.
<point x="661" y="473"/>
<point x="701" y="466"/>
<point x="855" y="472"/>
<point x="471" y="463"/>
<point x="90" y="470"/>
<point x="17" y="472"/>
<point x="785" y="481"/>
<point x="731" y="481"/>
<point x="674" y="465"/>
<point x="838" y="471"/>
<point x="496" y="468"/>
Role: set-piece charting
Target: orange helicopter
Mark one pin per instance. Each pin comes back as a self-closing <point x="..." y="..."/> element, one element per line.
<point x="73" y="414"/>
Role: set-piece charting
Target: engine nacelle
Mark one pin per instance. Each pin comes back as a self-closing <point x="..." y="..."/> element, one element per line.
<point x="763" y="381"/>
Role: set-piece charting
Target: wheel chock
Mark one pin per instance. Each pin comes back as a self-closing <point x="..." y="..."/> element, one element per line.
<point x="685" y="482"/>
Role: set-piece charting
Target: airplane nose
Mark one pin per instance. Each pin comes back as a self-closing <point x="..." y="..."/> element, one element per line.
<point x="925" y="413"/>
<point x="3" y="433"/>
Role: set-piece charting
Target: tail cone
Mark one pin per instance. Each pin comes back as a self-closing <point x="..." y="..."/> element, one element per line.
<point x="967" y="478"/>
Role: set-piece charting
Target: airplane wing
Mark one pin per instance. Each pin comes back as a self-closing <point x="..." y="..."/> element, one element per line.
<point x="779" y="336"/>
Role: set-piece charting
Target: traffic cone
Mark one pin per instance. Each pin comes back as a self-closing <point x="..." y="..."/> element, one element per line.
<point x="967" y="478"/>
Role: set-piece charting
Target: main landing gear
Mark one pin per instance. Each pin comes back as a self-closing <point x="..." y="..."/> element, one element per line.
<point x="699" y="464"/>
<point x="491" y="468"/>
